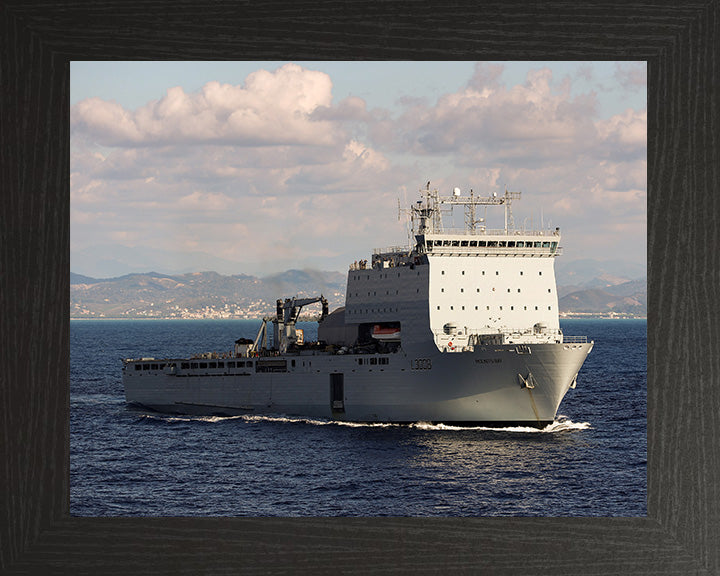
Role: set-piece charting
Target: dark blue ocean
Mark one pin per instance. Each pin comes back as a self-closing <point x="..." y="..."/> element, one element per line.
<point x="125" y="462"/>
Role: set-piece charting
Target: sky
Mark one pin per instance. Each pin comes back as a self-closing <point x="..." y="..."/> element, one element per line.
<point x="259" y="167"/>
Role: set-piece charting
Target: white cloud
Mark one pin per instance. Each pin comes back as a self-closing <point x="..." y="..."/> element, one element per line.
<point x="271" y="108"/>
<point x="205" y="202"/>
<point x="627" y="131"/>
<point x="272" y="172"/>
<point x="631" y="75"/>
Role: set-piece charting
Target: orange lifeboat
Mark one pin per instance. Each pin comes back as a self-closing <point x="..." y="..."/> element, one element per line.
<point x="386" y="333"/>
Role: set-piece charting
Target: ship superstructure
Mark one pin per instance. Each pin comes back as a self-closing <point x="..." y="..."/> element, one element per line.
<point x="459" y="326"/>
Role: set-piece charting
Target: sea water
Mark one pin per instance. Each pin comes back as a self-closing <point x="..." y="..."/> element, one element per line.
<point x="126" y="462"/>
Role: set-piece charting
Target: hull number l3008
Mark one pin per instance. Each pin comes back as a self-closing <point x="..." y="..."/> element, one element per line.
<point x="421" y="364"/>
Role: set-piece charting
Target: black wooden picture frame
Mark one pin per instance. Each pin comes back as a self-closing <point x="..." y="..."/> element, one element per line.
<point x="681" y="44"/>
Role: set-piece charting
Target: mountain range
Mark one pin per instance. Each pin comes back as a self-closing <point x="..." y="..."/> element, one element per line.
<point x="198" y="294"/>
<point x="584" y="287"/>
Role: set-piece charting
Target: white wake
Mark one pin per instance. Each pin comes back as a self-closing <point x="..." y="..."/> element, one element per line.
<point x="562" y="424"/>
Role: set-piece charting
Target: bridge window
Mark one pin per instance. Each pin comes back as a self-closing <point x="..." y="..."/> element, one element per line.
<point x="138" y="366"/>
<point x="521" y="244"/>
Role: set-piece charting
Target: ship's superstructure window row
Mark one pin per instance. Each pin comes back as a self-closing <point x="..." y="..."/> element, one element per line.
<point x="494" y="247"/>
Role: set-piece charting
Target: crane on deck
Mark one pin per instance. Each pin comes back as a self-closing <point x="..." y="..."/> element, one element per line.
<point x="284" y="331"/>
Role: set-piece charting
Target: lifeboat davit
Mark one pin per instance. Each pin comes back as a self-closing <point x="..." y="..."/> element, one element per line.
<point x="386" y="333"/>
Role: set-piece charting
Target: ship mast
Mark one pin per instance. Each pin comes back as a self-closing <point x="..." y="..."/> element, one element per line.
<point x="426" y="214"/>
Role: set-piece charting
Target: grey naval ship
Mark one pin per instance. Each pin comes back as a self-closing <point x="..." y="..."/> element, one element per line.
<point x="461" y="326"/>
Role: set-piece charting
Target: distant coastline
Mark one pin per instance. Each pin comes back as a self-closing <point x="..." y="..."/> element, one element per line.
<point x="593" y="290"/>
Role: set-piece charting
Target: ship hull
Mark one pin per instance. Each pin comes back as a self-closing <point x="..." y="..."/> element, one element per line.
<point x="497" y="386"/>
